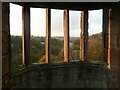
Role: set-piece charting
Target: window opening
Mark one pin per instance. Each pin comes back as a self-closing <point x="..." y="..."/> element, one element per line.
<point x="16" y="36"/>
<point x="95" y="43"/>
<point x="57" y="36"/>
<point x="38" y="35"/>
<point x="74" y="37"/>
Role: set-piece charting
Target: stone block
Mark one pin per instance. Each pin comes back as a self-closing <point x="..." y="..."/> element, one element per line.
<point x="118" y="40"/>
<point x="5" y="27"/>
<point x="0" y="43"/>
<point x="119" y="59"/>
<point x="114" y="21"/>
<point x="5" y="44"/>
<point x="114" y="56"/>
<point x="114" y="60"/>
<point x="5" y="17"/>
<point x="5" y="65"/>
<point x="5" y="6"/>
<point x="113" y="40"/>
<point x="114" y="28"/>
<point x="0" y="68"/>
<point x="0" y="18"/>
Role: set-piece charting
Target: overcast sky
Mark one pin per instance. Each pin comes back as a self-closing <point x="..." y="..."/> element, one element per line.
<point x="38" y="21"/>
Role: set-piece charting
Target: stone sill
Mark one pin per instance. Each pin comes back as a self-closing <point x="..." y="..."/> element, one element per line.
<point x="62" y="65"/>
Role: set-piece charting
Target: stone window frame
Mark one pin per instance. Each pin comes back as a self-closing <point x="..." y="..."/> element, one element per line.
<point x="26" y="60"/>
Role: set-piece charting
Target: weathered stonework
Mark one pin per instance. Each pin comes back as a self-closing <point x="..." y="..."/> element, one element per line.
<point x="119" y="67"/>
<point x="114" y="40"/>
<point x="118" y="41"/>
<point x="5" y="46"/>
<point x="26" y="36"/>
<point x="0" y="43"/>
<point x="114" y="44"/>
<point x="68" y="75"/>
<point x="5" y="43"/>
<point x="5" y="64"/>
<point x="5" y="17"/>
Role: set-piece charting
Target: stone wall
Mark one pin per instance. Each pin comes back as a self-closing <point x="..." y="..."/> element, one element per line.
<point x="115" y="43"/>
<point x="5" y="42"/>
<point x="63" y="75"/>
<point x="0" y="28"/>
<point x="71" y="75"/>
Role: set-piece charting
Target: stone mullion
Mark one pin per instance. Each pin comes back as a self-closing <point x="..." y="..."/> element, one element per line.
<point x="48" y="34"/>
<point x="106" y="34"/>
<point x="84" y="35"/>
<point x="26" y="36"/>
<point x="66" y="35"/>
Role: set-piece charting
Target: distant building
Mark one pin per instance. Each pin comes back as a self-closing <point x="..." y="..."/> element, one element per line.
<point x="71" y="44"/>
<point x="42" y="42"/>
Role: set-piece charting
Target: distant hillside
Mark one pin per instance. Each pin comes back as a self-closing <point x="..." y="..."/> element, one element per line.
<point x="95" y="36"/>
<point x="95" y="47"/>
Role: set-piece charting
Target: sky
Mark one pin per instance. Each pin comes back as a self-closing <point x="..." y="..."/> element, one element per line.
<point x="38" y="21"/>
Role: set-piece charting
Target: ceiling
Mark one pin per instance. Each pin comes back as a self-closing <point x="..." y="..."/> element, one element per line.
<point x="70" y="5"/>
